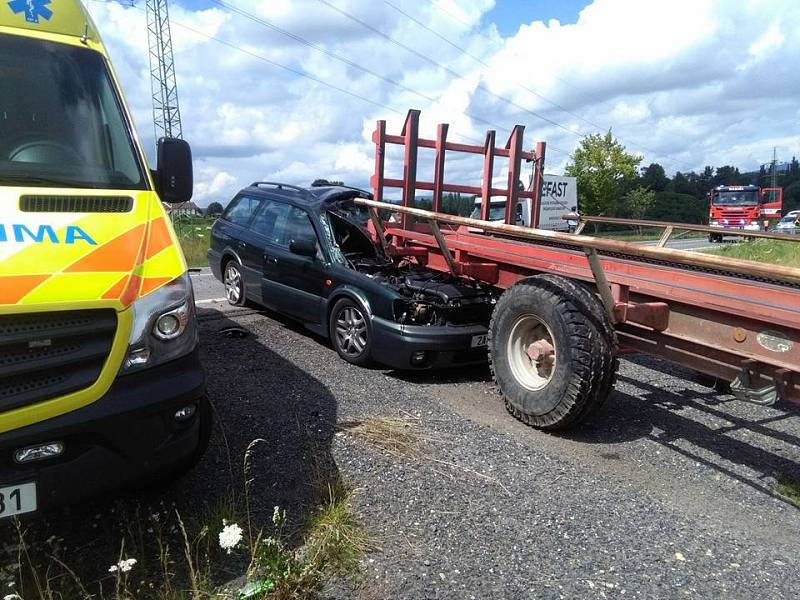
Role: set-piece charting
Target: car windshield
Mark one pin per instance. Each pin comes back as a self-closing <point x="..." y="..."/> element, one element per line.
<point x="739" y="198"/>
<point x="789" y="219"/>
<point x="61" y="122"/>
<point x="497" y="212"/>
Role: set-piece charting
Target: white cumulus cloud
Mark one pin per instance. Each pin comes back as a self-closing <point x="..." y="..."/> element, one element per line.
<point x="292" y="92"/>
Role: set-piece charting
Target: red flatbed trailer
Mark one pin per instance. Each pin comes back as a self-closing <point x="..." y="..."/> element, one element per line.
<point x="571" y="300"/>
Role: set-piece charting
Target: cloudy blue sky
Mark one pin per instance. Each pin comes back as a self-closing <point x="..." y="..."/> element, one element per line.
<point x="290" y="90"/>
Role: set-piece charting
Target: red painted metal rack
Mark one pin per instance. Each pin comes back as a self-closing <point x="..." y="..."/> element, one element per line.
<point x="732" y="319"/>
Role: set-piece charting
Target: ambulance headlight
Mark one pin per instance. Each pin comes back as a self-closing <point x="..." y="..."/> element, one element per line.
<point x="164" y="326"/>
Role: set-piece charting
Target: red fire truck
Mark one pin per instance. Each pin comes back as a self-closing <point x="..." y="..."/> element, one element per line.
<point x="747" y="207"/>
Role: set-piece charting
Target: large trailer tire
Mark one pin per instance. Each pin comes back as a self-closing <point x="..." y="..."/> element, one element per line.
<point x="605" y="337"/>
<point x="552" y="353"/>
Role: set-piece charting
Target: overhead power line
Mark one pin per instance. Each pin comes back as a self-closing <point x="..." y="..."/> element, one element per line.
<point x="310" y="44"/>
<point x="303" y="73"/>
<point x="338" y="57"/>
<point x="483" y="62"/>
<point x="450" y="71"/>
<point x="524" y="87"/>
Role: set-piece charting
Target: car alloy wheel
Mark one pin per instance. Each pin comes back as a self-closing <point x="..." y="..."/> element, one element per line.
<point x="234" y="290"/>
<point x="351" y="331"/>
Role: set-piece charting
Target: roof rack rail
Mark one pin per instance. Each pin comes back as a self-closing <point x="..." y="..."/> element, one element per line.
<point x="280" y="186"/>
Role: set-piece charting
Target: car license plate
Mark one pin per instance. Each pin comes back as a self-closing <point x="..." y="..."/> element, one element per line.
<point x="17" y="499"/>
<point x="478" y="341"/>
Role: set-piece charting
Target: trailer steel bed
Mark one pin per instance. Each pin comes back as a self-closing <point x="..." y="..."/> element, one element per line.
<point x="735" y="320"/>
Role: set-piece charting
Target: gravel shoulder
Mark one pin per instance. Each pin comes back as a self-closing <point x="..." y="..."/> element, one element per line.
<point x="666" y="493"/>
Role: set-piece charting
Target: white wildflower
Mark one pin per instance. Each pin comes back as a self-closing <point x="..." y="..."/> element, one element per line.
<point x="230" y="536"/>
<point x="122" y="566"/>
<point x="12" y="597"/>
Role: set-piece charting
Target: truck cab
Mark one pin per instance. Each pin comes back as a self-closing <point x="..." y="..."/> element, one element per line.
<point x="100" y="380"/>
<point x="742" y="207"/>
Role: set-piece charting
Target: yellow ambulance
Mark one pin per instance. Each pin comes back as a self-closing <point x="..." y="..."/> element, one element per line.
<point x="100" y="382"/>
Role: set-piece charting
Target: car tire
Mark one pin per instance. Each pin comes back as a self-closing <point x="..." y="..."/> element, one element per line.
<point x="575" y="363"/>
<point x="233" y="280"/>
<point x="350" y="332"/>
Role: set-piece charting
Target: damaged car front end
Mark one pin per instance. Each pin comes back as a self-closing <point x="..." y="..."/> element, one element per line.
<point x="431" y="319"/>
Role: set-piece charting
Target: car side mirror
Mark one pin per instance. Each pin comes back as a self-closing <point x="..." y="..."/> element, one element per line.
<point x="174" y="176"/>
<point x="306" y="247"/>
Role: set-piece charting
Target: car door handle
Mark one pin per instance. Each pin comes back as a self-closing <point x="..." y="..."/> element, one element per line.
<point x="270" y="259"/>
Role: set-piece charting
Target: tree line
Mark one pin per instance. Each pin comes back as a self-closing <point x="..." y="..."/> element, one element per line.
<point x="613" y="183"/>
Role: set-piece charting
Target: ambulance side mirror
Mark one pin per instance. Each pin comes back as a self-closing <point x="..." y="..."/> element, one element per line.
<point x="174" y="176"/>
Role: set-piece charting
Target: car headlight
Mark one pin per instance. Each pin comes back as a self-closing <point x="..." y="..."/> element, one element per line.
<point x="164" y="326"/>
<point x="415" y="312"/>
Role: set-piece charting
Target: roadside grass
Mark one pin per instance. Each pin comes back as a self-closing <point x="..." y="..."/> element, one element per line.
<point x="215" y="554"/>
<point x="194" y="249"/>
<point x="333" y="546"/>
<point x="194" y="235"/>
<point x="776" y="252"/>
<point x="790" y="490"/>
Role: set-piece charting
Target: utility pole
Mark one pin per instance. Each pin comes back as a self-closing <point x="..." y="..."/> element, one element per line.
<point x="774" y="182"/>
<point x="166" y="112"/>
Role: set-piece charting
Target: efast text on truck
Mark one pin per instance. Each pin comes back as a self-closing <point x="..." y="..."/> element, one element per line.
<point x="100" y="381"/>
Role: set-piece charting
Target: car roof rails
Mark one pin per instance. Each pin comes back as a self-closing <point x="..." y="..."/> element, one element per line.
<point x="280" y="186"/>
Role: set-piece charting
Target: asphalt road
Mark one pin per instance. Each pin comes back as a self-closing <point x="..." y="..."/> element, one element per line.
<point x="664" y="494"/>
<point x="686" y="244"/>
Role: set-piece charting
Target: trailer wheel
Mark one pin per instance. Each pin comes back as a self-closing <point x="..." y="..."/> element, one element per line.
<point x="551" y="359"/>
<point x="603" y="335"/>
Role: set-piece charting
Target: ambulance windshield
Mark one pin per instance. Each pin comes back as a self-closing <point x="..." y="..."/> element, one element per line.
<point x="61" y="122"/>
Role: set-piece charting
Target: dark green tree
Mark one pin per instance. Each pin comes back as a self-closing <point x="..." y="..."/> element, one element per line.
<point x="791" y="197"/>
<point x="677" y="207"/>
<point x="728" y="175"/>
<point x="214" y="209"/>
<point x="654" y="177"/>
<point x="325" y="183"/>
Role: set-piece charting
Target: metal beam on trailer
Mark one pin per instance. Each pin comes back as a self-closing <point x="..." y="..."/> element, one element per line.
<point x="438" y="167"/>
<point x="708" y="313"/>
<point x="488" y="170"/>
<point x="536" y="181"/>
<point x="579" y="242"/>
<point x="410" y="135"/>
<point x="514" y="147"/>
<point x="685" y="227"/>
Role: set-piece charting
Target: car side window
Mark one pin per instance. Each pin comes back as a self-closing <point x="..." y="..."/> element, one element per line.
<point x="297" y="227"/>
<point x="240" y="210"/>
<point x="270" y="221"/>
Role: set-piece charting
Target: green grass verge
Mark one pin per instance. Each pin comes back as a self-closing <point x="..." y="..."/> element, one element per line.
<point x="194" y="236"/>
<point x="789" y="490"/>
<point x="776" y="252"/>
<point x="194" y="249"/>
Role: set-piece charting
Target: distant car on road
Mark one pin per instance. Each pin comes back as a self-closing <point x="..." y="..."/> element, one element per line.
<point x="790" y="223"/>
<point x="305" y="253"/>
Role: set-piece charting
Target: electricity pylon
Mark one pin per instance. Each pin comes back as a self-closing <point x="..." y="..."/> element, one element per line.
<point x="166" y="112"/>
